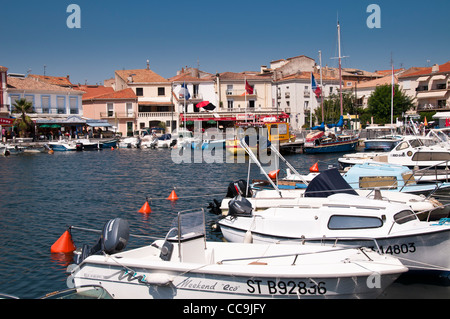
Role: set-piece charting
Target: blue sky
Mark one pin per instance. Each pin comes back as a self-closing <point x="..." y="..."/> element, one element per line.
<point x="221" y="36"/>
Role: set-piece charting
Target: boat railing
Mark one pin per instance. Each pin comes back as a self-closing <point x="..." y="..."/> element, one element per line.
<point x="435" y="166"/>
<point x="318" y="240"/>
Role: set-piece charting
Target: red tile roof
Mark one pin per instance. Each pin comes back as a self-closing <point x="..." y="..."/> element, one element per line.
<point x="55" y="80"/>
<point x="93" y="90"/>
<point x="125" y="94"/>
<point x="33" y="84"/>
<point x="443" y="68"/>
<point x="141" y="76"/>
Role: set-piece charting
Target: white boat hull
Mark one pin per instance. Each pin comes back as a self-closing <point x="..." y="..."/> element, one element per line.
<point x="314" y="275"/>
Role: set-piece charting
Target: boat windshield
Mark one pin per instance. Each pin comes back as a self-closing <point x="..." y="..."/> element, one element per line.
<point x="187" y="224"/>
<point x="404" y="216"/>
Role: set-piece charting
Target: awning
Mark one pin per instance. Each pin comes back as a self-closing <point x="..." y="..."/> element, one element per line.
<point x="423" y="79"/>
<point x="4" y="121"/>
<point x="439" y="77"/>
<point x="437" y="94"/>
<point x="99" y="124"/>
<point x="441" y="115"/>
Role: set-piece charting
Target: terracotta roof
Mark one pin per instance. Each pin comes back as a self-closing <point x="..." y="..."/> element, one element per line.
<point x="307" y="76"/>
<point x="55" y="80"/>
<point x="93" y="90"/>
<point x="34" y="84"/>
<point x="3" y="69"/>
<point x="377" y="82"/>
<point x="244" y="75"/>
<point x="126" y="94"/>
<point x="443" y="68"/>
<point x="187" y="77"/>
<point x="140" y="76"/>
<point x="387" y="72"/>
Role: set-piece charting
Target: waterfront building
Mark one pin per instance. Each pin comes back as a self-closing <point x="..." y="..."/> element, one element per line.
<point x="117" y="108"/>
<point x="154" y="97"/>
<point x="52" y="104"/>
<point x="4" y="110"/>
<point x="430" y="87"/>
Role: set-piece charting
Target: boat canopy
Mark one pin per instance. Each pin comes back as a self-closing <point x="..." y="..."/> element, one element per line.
<point x="328" y="183"/>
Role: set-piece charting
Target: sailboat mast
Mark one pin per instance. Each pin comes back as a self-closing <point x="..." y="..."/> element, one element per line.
<point x="392" y="93"/>
<point x="340" y="69"/>
<point x="321" y="86"/>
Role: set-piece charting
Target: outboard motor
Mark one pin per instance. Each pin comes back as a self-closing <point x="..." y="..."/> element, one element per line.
<point x="79" y="146"/>
<point x="239" y="206"/>
<point x="114" y="239"/>
<point x="239" y="188"/>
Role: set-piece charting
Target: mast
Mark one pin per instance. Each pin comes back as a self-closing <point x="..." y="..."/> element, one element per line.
<point x="321" y="86"/>
<point x="340" y="69"/>
<point x="392" y="93"/>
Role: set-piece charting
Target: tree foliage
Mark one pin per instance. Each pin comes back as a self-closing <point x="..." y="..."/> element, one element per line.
<point x="379" y="104"/>
<point x="332" y="108"/>
<point x="24" y="122"/>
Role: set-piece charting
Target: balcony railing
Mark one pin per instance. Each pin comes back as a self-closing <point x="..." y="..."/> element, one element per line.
<point x="239" y="93"/>
<point x="119" y="115"/>
<point x="156" y="114"/>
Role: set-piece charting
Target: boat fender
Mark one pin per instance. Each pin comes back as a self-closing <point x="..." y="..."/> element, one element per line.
<point x="158" y="279"/>
<point x="248" y="238"/>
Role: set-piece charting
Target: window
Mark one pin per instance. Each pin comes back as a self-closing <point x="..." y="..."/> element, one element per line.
<point x="139" y="91"/>
<point x="404" y="216"/>
<point x="129" y="109"/>
<point x="402" y="146"/>
<point x="73" y="101"/>
<point x="45" y="102"/>
<point x="251" y="103"/>
<point x="354" y="222"/>
<point x="230" y="104"/>
<point x="161" y="91"/>
<point x="431" y="156"/>
<point x="110" y="107"/>
<point x="61" y="104"/>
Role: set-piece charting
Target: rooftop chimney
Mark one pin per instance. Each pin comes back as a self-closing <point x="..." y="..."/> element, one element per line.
<point x="148" y="65"/>
<point x="435" y="68"/>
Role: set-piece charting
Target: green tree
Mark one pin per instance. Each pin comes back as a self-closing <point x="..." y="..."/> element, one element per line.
<point x="24" y="122"/>
<point x="379" y="104"/>
<point x="332" y="108"/>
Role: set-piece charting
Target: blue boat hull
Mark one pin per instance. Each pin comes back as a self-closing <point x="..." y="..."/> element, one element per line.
<point x="332" y="148"/>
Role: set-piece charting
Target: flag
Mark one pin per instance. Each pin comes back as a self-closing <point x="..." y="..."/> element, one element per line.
<point x="248" y="88"/>
<point x="314" y="86"/>
<point x="184" y="92"/>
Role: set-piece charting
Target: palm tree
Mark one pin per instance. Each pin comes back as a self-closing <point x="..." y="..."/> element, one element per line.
<point x="24" y="122"/>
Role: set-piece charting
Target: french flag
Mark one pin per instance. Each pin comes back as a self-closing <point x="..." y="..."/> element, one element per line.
<point x="314" y="86"/>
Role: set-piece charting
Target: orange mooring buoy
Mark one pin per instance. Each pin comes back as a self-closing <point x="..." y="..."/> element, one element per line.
<point x="64" y="244"/>
<point x="273" y="174"/>
<point x="314" y="168"/>
<point x="145" y="209"/>
<point x="173" y="196"/>
<point x="112" y="148"/>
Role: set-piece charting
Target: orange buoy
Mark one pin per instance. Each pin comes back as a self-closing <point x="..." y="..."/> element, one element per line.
<point x="173" y="196"/>
<point x="64" y="244"/>
<point x="145" y="209"/>
<point x="51" y="151"/>
<point x="314" y="168"/>
<point x="112" y="148"/>
<point x="274" y="174"/>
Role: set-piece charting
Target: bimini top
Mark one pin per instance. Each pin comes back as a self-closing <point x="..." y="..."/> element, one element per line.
<point x="328" y="183"/>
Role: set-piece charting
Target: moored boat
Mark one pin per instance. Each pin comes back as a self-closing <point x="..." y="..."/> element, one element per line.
<point x="186" y="266"/>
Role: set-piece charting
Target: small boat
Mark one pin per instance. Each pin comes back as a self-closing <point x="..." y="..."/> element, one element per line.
<point x="87" y="145"/>
<point x="7" y="149"/>
<point x="383" y="176"/>
<point x="130" y="142"/>
<point x="64" y="145"/>
<point x="381" y="138"/>
<point x="166" y="141"/>
<point x="421" y="245"/>
<point x="184" y="265"/>
<point x="108" y="143"/>
<point x="329" y="142"/>
<point x="209" y="144"/>
<point x="428" y="160"/>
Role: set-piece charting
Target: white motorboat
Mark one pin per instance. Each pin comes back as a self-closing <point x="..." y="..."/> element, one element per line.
<point x="7" y="149"/>
<point x="396" y="228"/>
<point x="130" y="142"/>
<point x="412" y="151"/>
<point x="63" y="145"/>
<point x="186" y="266"/>
<point x="87" y="145"/>
<point x="262" y="198"/>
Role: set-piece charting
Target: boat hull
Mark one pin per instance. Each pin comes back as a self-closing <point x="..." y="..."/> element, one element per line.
<point x="245" y="277"/>
<point x="380" y="145"/>
<point x="332" y="148"/>
<point x="419" y="252"/>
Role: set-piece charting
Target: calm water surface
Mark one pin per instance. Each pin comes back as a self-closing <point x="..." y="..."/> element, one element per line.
<point x="42" y="194"/>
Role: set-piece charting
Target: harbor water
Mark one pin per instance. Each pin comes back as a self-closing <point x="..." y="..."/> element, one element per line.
<point x="42" y="194"/>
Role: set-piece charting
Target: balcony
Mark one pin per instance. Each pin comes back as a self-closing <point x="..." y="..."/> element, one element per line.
<point x="235" y="93"/>
<point x="119" y="115"/>
<point x="4" y="108"/>
<point x="157" y="114"/>
<point x="306" y="93"/>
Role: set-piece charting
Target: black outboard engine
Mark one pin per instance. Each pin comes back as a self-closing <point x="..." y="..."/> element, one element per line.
<point x="114" y="239"/>
<point x="238" y="188"/>
<point x="239" y="206"/>
<point x="79" y="146"/>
